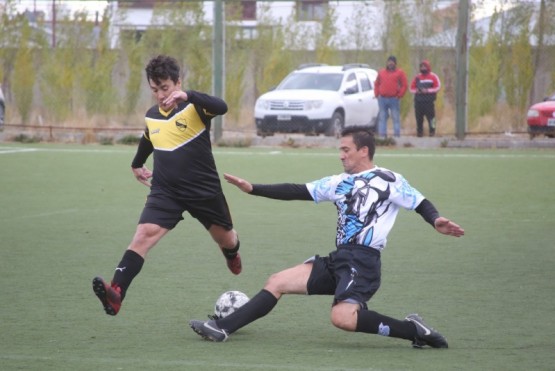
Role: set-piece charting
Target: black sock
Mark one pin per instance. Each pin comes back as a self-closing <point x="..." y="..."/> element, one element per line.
<point x="231" y="253"/>
<point x="374" y="323"/>
<point x="129" y="266"/>
<point x="260" y="305"/>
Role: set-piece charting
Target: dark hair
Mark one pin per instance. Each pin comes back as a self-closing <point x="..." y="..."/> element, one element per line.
<point x="392" y="58"/>
<point x="363" y="136"/>
<point x="162" y="67"/>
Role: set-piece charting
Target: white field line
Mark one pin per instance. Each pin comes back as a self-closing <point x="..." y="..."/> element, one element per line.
<point x="8" y="150"/>
<point x="12" y="150"/>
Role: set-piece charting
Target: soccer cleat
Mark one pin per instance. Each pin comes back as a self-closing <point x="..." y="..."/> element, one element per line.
<point x="208" y="330"/>
<point x="110" y="296"/>
<point x="234" y="264"/>
<point x="425" y="335"/>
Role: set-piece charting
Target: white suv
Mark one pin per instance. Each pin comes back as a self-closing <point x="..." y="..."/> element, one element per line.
<point x="317" y="99"/>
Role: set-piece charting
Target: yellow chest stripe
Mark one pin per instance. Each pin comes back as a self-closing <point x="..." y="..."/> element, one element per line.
<point x="176" y="131"/>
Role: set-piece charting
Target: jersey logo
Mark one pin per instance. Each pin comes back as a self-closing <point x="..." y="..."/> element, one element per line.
<point x="181" y="124"/>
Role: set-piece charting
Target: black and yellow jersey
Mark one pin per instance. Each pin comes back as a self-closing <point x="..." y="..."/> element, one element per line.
<point x="180" y="140"/>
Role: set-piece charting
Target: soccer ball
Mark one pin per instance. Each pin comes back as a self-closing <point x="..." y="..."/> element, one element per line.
<point x="229" y="302"/>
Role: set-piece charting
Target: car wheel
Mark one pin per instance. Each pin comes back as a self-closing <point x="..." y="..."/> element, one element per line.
<point x="337" y="122"/>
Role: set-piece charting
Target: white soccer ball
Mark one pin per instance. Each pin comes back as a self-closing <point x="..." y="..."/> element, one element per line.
<point x="229" y="302"/>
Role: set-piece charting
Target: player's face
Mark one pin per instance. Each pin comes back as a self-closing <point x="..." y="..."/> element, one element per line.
<point x="353" y="159"/>
<point x="162" y="90"/>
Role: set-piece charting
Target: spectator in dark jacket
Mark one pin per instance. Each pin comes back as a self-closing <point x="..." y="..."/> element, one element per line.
<point x="425" y="86"/>
<point x="2" y="108"/>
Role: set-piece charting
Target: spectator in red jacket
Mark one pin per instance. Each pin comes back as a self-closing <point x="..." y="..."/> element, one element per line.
<point x="425" y="86"/>
<point x="390" y="87"/>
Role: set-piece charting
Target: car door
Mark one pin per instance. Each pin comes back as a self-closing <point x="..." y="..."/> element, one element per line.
<point x="353" y="99"/>
<point x="370" y="107"/>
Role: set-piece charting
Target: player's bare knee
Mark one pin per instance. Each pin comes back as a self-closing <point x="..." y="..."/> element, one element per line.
<point x="274" y="284"/>
<point x="343" y="318"/>
<point x="146" y="232"/>
<point x="342" y="323"/>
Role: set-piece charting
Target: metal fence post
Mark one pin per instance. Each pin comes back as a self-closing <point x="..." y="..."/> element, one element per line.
<point x="461" y="85"/>
<point x="218" y="55"/>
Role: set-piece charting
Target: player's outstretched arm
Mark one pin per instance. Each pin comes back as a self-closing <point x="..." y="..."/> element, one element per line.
<point x="281" y="191"/>
<point x="445" y="226"/>
<point x="240" y="183"/>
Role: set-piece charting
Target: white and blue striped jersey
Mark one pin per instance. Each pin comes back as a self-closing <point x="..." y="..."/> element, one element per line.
<point x="367" y="204"/>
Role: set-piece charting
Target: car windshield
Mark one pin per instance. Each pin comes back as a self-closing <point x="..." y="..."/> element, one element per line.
<point x="318" y="81"/>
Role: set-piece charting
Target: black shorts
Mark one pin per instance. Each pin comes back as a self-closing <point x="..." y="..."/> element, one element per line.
<point x="166" y="210"/>
<point x="350" y="273"/>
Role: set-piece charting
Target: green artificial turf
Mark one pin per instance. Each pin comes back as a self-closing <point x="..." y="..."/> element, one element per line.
<point x="68" y="212"/>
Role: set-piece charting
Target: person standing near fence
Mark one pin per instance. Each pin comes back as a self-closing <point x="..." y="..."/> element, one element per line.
<point x="184" y="177"/>
<point x="390" y="87"/>
<point x="425" y="86"/>
<point x="2" y="108"/>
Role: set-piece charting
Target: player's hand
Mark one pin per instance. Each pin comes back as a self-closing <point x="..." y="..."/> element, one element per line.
<point x="445" y="226"/>
<point x="142" y="174"/>
<point x="174" y="98"/>
<point x="242" y="184"/>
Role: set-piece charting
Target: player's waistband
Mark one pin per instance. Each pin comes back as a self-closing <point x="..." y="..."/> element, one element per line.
<point x="369" y="249"/>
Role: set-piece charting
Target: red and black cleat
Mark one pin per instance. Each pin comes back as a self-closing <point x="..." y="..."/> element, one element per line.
<point x="234" y="264"/>
<point x="109" y="296"/>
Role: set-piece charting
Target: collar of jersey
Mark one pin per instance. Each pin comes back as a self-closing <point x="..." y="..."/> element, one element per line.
<point x="164" y="113"/>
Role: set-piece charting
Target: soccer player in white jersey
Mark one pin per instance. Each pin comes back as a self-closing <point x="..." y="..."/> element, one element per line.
<point x="367" y="198"/>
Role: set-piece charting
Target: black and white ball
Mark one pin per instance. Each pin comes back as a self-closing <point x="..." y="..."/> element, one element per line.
<point x="229" y="302"/>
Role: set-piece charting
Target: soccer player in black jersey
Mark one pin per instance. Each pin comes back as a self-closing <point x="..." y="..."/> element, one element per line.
<point x="367" y="198"/>
<point x="184" y="177"/>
